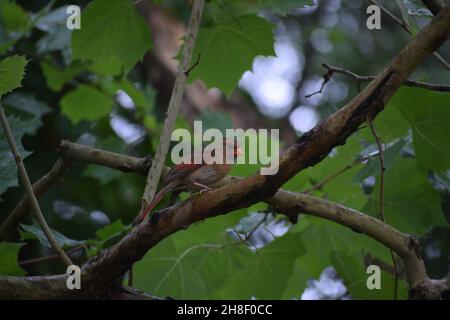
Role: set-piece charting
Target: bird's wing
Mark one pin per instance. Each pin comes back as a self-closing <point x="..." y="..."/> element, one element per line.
<point x="182" y="170"/>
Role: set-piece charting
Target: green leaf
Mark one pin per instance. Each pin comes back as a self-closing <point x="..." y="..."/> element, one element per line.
<point x="163" y="272"/>
<point x="213" y="230"/>
<point x="12" y="70"/>
<point x="191" y="257"/>
<point x="104" y="174"/>
<point x="25" y="105"/>
<point x="322" y="238"/>
<point x="216" y="119"/>
<point x="267" y="271"/>
<point x="429" y="115"/>
<point x="106" y="236"/>
<point x="285" y="6"/>
<point x="59" y="39"/>
<point x="56" y="77"/>
<point x="24" y="117"/>
<point x="111" y="230"/>
<point x="228" y="48"/>
<point x="34" y="232"/>
<point x="339" y="159"/>
<point x="9" y="265"/>
<point x="13" y="16"/>
<point x="113" y="35"/>
<point x="373" y="168"/>
<point x="57" y="35"/>
<point x="143" y="103"/>
<point x="85" y="103"/>
<point x="211" y="270"/>
<point x="411" y="204"/>
<point x="389" y="124"/>
<point x="8" y="166"/>
<point x="353" y="271"/>
<point x="227" y="8"/>
<point x="52" y="20"/>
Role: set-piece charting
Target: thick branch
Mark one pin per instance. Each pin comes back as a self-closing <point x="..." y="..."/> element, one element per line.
<point x="306" y="152"/>
<point x="290" y="204"/>
<point x="54" y="287"/>
<point x="40" y="287"/>
<point x="100" y="271"/>
<point x="404" y="245"/>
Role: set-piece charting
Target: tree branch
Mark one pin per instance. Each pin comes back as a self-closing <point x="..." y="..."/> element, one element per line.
<point x="290" y="204"/>
<point x="408" y="29"/>
<point x="307" y="151"/>
<point x="85" y="154"/>
<point x="381" y="207"/>
<point x="410" y="83"/>
<point x="21" y="210"/>
<point x="321" y="184"/>
<point x="175" y="103"/>
<point x="72" y="152"/>
<point x="101" y="271"/>
<point x="29" y="189"/>
<point x="404" y="245"/>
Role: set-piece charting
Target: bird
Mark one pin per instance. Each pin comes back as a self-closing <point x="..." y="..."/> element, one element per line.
<point x="194" y="176"/>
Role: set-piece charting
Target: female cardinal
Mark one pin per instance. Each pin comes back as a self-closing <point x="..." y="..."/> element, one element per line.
<point x="195" y="176"/>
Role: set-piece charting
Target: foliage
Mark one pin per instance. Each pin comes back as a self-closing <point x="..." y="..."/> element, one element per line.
<point x="12" y="70"/>
<point x="113" y="48"/>
<point x="234" y="42"/>
<point x="82" y="85"/>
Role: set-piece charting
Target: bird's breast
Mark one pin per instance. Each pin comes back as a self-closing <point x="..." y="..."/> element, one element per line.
<point x="210" y="174"/>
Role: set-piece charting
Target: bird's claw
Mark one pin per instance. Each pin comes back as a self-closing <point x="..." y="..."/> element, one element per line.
<point x="204" y="190"/>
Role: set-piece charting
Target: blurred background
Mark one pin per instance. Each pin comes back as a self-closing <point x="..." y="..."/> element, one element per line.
<point x="272" y="94"/>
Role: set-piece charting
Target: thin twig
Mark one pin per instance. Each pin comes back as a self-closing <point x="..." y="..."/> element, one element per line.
<point x="326" y="79"/>
<point x="199" y="56"/>
<point x="21" y="210"/>
<point x="382" y="166"/>
<point x="50" y="257"/>
<point x="381" y="206"/>
<point x="408" y="29"/>
<point x="29" y="189"/>
<point x="393" y="17"/>
<point x="410" y="83"/>
<point x="174" y="104"/>
<point x="321" y="184"/>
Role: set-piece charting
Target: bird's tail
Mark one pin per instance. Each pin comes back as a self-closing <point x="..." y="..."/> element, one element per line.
<point x="146" y="211"/>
